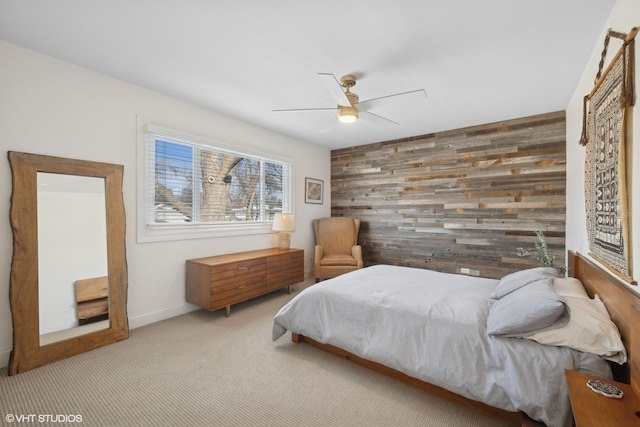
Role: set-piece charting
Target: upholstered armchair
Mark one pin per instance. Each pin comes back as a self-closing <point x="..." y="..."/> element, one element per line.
<point x="337" y="250"/>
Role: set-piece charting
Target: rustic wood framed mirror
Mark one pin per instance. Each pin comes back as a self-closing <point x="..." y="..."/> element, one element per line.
<point x="58" y="248"/>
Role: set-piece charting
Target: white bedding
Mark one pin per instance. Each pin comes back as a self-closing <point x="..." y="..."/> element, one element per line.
<point x="432" y="326"/>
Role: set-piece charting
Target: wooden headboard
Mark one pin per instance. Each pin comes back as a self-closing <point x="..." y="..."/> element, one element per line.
<point x="623" y="306"/>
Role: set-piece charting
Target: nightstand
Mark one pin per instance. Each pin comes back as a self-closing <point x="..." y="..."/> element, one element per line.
<point x="591" y="409"/>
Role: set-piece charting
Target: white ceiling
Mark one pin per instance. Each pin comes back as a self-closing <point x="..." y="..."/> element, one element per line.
<point x="479" y="61"/>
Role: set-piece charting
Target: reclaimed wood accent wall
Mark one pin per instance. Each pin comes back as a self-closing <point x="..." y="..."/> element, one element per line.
<point x="459" y="201"/>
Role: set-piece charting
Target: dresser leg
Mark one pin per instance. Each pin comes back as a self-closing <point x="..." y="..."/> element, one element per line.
<point x="228" y="311"/>
<point x="289" y="289"/>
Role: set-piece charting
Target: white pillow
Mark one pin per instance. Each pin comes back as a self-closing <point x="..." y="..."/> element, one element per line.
<point x="569" y="287"/>
<point x="516" y="280"/>
<point x="531" y="308"/>
<point x="589" y="329"/>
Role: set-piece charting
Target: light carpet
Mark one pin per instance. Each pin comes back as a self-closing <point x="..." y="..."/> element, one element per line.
<point x="204" y="369"/>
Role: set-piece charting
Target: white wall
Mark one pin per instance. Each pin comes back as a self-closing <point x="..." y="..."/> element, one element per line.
<point x="51" y="107"/>
<point x="625" y="15"/>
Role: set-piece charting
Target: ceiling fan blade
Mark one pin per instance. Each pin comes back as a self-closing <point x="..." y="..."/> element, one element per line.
<point x="375" y="102"/>
<point x="302" y="110"/>
<point x="335" y="89"/>
<point x="376" y="119"/>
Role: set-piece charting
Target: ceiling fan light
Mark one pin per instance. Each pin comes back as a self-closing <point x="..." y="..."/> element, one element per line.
<point x="347" y="114"/>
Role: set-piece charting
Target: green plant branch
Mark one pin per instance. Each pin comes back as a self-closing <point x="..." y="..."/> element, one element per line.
<point x="540" y="253"/>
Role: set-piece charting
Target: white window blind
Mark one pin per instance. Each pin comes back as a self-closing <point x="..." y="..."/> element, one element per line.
<point x="190" y="184"/>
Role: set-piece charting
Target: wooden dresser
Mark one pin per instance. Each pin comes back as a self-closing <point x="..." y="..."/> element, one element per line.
<point x="219" y="281"/>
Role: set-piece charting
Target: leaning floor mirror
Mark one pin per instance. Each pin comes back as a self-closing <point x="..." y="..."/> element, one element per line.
<point x="68" y="284"/>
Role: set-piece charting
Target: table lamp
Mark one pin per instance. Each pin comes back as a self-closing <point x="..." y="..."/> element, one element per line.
<point x="284" y="223"/>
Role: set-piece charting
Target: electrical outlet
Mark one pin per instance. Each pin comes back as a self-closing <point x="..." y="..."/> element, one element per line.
<point x="465" y="271"/>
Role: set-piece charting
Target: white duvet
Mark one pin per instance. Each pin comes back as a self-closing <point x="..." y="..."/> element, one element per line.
<point x="432" y="326"/>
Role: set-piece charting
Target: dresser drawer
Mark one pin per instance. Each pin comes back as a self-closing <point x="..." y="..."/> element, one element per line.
<point x="285" y="270"/>
<point x="284" y="261"/>
<point x="237" y="294"/>
<point x="284" y="278"/>
<point x="239" y="282"/>
<point x="237" y="271"/>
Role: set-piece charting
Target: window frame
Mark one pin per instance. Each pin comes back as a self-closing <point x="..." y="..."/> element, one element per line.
<point x="184" y="231"/>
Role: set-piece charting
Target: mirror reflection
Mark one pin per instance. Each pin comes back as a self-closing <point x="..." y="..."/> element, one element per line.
<point x="72" y="255"/>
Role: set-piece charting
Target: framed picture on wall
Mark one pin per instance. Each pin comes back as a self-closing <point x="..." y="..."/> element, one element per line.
<point x="313" y="190"/>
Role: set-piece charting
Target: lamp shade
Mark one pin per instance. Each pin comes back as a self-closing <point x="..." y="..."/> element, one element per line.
<point x="284" y="222"/>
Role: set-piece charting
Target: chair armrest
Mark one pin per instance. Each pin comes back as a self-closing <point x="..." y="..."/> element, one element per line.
<point x="356" y="252"/>
<point x="317" y="257"/>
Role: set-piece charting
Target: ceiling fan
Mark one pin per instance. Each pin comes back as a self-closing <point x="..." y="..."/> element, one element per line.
<point x="348" y="107"/>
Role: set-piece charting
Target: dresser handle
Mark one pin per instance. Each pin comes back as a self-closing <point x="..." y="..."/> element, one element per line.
<point x="242" y="287"/>
<point x="242" y="268"/>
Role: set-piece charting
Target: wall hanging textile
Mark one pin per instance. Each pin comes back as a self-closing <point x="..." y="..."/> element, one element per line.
<point x="606" y="125"/>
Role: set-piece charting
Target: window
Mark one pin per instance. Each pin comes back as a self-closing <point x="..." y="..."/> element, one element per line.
<point x="195" y="188"/>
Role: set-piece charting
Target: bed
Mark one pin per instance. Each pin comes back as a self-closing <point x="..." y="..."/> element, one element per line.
<point x="414" y="325"/>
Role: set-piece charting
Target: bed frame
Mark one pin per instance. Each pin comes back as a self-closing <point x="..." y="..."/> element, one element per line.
<point x="624" y="308"/>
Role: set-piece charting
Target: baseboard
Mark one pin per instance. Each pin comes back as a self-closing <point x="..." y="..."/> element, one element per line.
<point x="164" y="313"/>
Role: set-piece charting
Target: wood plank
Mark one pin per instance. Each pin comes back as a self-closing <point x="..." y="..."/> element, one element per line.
<point x="91" y="289"/>
<point x="88" y="309"/>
